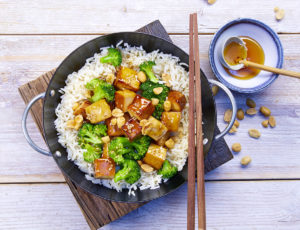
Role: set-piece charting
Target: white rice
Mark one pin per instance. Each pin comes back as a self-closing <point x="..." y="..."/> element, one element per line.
<point x="75" y="91"/>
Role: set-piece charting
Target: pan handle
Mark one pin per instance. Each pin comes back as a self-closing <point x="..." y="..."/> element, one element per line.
<point x="24" y="125"/>
<point x="233" y="104"/>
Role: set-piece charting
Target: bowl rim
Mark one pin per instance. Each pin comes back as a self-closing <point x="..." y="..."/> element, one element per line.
<point x="267" y="28"/>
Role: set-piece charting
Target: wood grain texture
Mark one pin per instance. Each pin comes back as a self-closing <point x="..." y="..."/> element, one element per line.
<point x="94" y="17"/>
<point x="23" y="58"/>
<point x="261" y="205"/>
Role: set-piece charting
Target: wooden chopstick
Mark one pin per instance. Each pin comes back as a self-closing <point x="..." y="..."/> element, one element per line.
<point x="199" y="132"/>
<point x="191" y="138"/>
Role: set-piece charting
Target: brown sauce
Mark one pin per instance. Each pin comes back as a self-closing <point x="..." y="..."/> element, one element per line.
<point x="233" y="53"/>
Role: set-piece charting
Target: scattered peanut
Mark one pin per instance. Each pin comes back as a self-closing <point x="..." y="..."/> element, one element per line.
<point x="236" y="123"/>
<point x="272" y="121"/>
<point x="265" y="111"/>
<point x="141" y="76"/>
<point x="120" y="121"/>
<point x="250" y="103"/>
<point x="170" y="143"/>
<point x="113" y="121"/>
<point x="246" y="160"/>
<point x="236" y="147"/>
<point x="210" y="2"/>
<point x="215" y="90"/>
<point x="105" y="139"/>
<point x="240" y="114"/>
<point x="117" y="113"/>
<point x="143" y="122"/>
<point x="75" y="106"/>
<point x="265" y="123"/>
<point x="227" y="115"/>
<point x="154" y="101"/>
<point x="167" y="106"/>
<point x="251" y="111"/>
<point x="279" y="13"/>
<point x="233" y="129"/>
<point x="157" y="90"/>
<point x="167" y="78"/>
<point x="254" y="133"/>
<point x="88" y="94"/>
<point x="146" y="168"/>
<point x="140" y="162"/>
<point x="110" y="78"/>
<point x="76" y="123"/>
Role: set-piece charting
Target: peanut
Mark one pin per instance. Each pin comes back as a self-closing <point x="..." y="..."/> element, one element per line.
<point x="140" y="162"/>
<point x="251" y="111"/>
<point x="157" y="90"/>
<point x="227" y="115"/>
<point x="236" y="123"/>
<point x="210" y="2"/>
<point x="233" y="129"/>
<point x="146" y="168"/>
<point x="236" y="147"/>
<point x="272" y="121"/>
<point x="250" y="103"/>
<point x="240" y="114"/>
<point x="215" y="90"/>
<point x="265" y="123"/>
<point x="113" y="121"/>
<point x="120" y="121"/>
<point x="110" y="78"/>
<point x="141" y="76"/>
<point x="167" y="106"/>
<point x="170" y="143"/>
<point x="167" y="78"/>
<point x="254" y="133"/>
<point x="117" y="113"/>
<point x="154" y="101"/>
<point x="105" y="139"/>
<point x="265" y="111"/>
<point x="246" y="160"/>
<point x="279" y="13"/>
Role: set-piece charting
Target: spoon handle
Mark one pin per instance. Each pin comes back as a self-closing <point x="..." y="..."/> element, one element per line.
<point x="271" y="69"/>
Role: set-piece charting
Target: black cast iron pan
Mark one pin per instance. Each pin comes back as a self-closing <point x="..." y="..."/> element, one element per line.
<point x="52" y="98"/>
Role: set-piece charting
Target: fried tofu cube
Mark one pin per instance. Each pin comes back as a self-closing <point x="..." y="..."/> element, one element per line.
<point x="154" y="129"/>
<point x="177" y="100"/>
<point x="163" y="139"/>
<point x="155" y="156"/>
<point x="80" y="109"/>
<point x="127" y="79"/>
<point x="132" y="129"/>
<point x="141" y="108"/>
<point x="98" y="111"/>
<point x="123" y="98"/>
<point x="105" y="151"/>
<point x="105" y="168"/>
<point x="112" y="127"/>
<point x="171" y="120"/>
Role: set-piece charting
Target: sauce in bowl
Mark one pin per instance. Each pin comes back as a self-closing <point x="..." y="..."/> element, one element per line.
<point x="234" y="52"/>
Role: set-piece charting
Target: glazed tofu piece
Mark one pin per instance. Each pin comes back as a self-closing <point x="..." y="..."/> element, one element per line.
<point x="112" y="127"/>
<point x="171" y="120"/>
<point x="105" y="151"/>
<point x="79" y="108"/>
<point x="155" y="156"/>
<point x="141" y="108"/>
<point x="177" y="100"/>
<point x="132" y="129"/>
<point x="154" y="129"/>
<point x="98" y="111"/>
<point x="105" y="168"/>
<point x="123" y="98"/>
<point x="127" y="79"/>
<point x="163" y="139"/>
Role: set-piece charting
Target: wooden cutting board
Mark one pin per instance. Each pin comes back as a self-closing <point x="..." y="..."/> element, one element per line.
<point x="99" y="212"/>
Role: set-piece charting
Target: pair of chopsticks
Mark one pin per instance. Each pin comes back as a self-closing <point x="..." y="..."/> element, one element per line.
<point x="195" y="84"/>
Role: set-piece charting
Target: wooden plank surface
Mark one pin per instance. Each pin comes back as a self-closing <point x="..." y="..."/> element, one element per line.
<point x="94" y="17"/>
<point x="264" y="205"/>
<point x="23" y="58"/>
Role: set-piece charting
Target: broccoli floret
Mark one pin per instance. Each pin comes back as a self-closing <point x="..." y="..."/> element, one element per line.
<point x="146" y="67"/>
<point x="140" y="146"/>
<point x="101" y="89"/>
<point x="91" y="153"/>
<point x="113" y="57"/>
<point x="167" y="170"/>
<point x="118" y="147"/>
<point x="147" y="88"/>
<point x="130" y="172"/>
<point x="89" y="138"/>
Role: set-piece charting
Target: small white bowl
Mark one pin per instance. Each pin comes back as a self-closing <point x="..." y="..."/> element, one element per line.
<point x="268" y="40"/>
